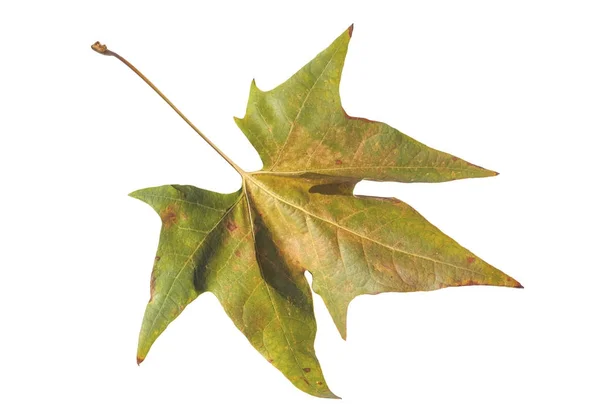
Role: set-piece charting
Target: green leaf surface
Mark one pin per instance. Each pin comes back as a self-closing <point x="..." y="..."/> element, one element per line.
<point x="251" y="248"/>
<point x="301" y="127"/>
<point x="212" y="242"/>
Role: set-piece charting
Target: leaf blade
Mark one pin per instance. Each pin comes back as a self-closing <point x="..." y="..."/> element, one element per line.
<point x="301" y="127"/>
<point x="189" y="215"/>
<point x="222" y="258"/>
<point x="270" y="302"/>
<point x="369" y="245"/>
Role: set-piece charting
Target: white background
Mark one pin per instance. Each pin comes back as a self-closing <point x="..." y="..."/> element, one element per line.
<point x="511" y="86"/>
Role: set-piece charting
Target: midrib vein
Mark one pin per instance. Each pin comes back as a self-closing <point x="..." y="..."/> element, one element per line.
<point x="260" y="186"/>
<point x="366" y="167"/>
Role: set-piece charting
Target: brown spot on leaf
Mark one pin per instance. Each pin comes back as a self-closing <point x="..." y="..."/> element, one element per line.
<point x="169" y="216"/>
<point x="270" y="360"/>
<point x="306" y="369"/>
<point x="454" y="158"/>
<point x="470" y="260"/>
<point x="231" y="226"/>
<point x="350" y="30"/>
<point x="237" y="253"/>
<point x="338" y="162"/>
<point x="306" y="381"/>
<point x="319" y="383"/>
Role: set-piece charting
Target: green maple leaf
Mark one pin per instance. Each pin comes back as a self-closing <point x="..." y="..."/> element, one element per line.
<point x="251" y="248"/>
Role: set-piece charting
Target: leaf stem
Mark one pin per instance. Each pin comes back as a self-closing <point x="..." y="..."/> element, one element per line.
<point x="102" y="49"/>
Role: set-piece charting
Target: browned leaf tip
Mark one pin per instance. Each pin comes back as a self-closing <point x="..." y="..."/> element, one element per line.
<point x="513" y="283"/>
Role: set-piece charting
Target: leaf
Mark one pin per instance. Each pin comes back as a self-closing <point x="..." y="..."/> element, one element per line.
<point x="252" y="247"/>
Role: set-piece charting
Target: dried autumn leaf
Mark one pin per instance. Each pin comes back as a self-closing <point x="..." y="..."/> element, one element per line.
<point x="251" y="248"/>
